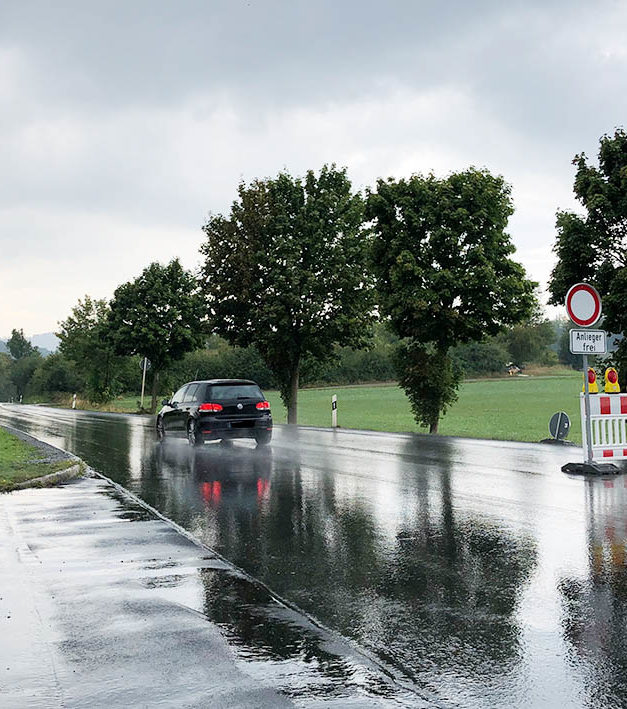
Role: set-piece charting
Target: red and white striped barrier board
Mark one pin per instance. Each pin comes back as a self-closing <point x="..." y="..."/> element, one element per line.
<point x="608" y="423"/>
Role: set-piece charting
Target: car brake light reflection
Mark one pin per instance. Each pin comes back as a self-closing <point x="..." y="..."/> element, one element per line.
<point x="212" y="492"/>
<point x="263" y="488"/>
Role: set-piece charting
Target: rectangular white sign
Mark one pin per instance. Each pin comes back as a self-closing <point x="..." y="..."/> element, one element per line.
<point x="588" y="341"/>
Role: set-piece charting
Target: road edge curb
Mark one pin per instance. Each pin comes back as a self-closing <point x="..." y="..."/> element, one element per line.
<point x="388" y="670"/>
<point x="72" y="473"/>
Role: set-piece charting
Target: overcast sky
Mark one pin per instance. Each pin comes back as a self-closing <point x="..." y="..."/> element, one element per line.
<point x="123" y="124"/>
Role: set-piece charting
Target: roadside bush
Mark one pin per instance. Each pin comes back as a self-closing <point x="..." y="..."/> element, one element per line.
<point x="222" y="362"/>
<point x="56" y="373"/>
<point x="23" y="370"/>
<point x="353" y="367"/>
<point x="530" y="342"/>
<point x="7" y="388"/>
<point x="481" y="358"/>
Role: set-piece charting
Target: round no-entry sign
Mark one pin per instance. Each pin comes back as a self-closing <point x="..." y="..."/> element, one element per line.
<point x="583" y="304"/>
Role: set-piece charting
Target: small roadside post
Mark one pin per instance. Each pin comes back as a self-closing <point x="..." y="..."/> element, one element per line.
<point x="74" y="401"/>
<point x="334" y="411"/>
<point x="583" y="305"/>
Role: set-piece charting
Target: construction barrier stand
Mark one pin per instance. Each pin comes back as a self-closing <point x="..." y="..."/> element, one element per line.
<point x="608" y="426"/>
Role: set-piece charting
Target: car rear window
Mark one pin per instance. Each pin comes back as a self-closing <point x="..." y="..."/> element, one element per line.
<point x="233" y="391"/>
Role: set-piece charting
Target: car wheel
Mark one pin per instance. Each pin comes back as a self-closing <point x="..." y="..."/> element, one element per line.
<point x="194" y="438"/>
<point x="264" y="438"/>
<point x="160" y="430"/>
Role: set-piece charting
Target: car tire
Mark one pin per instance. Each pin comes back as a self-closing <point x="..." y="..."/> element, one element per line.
<point x="160" y="430"/>
<point x="263" y="438"/>
<point x="193" y="437"/>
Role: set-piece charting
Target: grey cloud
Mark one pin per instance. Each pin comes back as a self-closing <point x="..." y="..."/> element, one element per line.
<point x="130" y="120"/>
<point x="528" y="61"/>
<point x="120" y="53"/>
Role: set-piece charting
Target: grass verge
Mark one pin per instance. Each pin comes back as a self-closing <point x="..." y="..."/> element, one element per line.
<point x="512" y="408"/>
<point x="20" y="462"/>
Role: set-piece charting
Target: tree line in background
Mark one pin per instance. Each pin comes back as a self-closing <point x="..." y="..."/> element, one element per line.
<point x="100" y="378"/>
<point x="307" y="281"/>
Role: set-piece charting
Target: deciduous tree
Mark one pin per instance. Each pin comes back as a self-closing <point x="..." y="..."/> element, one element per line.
<point x="159" y="315"/>
<point x="25" y="360"/>
<point x="22" y="371"/>
<point x="19" y="346"/>
<point x="286" y="271"/>
<point x="530" y="341"/>
<point x="441" y="257"/>
<point x="56" y="373"/>
<point x="7" y="388"/>
<point x="83" y="341"/>
<point x="592" y="246"/>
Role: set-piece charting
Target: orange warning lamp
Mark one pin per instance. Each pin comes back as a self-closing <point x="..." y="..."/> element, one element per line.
<point x="611" y="381"/>
<point x="593" y="387"/>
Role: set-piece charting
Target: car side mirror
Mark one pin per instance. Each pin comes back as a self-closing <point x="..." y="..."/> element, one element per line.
<point x="165" y="402"/>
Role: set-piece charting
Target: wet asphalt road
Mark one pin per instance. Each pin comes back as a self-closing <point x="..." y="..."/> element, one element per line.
<point x="477" y="570"/>
<point x="103" y="604"/>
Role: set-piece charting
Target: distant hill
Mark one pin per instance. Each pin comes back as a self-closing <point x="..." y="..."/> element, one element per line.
<point x="3" y="346"/>
<point x="46" y="341"/>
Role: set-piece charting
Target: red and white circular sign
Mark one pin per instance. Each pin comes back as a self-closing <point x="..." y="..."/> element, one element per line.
<point x="583" y="304"/>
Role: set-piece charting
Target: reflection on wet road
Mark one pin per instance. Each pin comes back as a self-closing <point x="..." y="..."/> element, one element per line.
<point x="477" y="570"/>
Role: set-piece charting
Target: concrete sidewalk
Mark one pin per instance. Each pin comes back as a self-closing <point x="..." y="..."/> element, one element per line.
<point x="104" y="605"/>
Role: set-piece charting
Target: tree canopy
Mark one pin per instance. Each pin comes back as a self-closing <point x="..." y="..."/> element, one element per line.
<point x="441" y="257"/>
<point x="159" y="315"/>
<point x="19" y="346"/>
<point x="592" y="246"/>
<point x="83" y="341"/>
<point x="26" y="358"/>
<point x="286" y="271"/>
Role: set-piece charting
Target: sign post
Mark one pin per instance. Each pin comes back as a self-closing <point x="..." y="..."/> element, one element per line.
<point x="334" y="411"/>
<point x="583" y="305"/>
<point x="587" y="342"/>
<point x="145" y="365"/>
<point x="586" y="385"/>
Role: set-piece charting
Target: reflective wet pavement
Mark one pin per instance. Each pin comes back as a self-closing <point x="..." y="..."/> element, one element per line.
<point x="476" y="569"/>
<point x="104" y="605"/>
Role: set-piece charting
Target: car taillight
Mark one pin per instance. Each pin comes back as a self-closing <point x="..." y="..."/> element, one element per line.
<point x="210" y="407"/>
<point x="263" y="405"/>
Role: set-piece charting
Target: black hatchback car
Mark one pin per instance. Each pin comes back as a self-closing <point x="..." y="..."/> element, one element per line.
<point x="217" y="409"/>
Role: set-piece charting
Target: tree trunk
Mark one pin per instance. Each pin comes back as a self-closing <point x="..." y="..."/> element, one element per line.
<point x="292" y="409"/>
<point x="433" y="428"/>
<point x="155" y="391"/>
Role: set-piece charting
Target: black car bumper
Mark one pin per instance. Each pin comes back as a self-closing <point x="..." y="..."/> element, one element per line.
<point x="223" y="427"/>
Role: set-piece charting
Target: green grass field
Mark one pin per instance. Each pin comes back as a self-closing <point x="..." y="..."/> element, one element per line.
<point x="20" y="461"/>
<point x="516" y="408"/>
